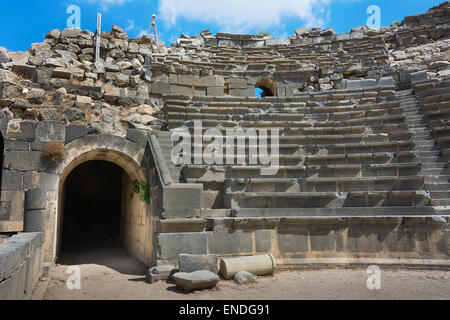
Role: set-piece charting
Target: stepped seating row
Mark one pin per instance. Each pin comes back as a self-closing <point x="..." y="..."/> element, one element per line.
<point x="364" y="160"/>
<point x="434" y="98"/>
<point x="334" y="107"/>
<point x="362" y="109"/>
<point x="233" y="68"/>
<point x="352" y="51"/>
<point x="394" y="131"/>
<point x="351" y="151"/>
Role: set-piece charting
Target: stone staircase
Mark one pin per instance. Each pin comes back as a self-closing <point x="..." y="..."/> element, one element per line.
<point x="435" y="170"/>
<point x="337" y="150"/>
<point x="427" y="120"/>
<point x="356" y="171"/>
<point x="166" y="148"/>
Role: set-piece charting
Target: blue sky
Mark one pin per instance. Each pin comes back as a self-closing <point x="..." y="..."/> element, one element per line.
<point x="26" y="22"/>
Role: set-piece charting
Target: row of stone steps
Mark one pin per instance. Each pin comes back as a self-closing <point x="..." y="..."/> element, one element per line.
<point x="434" y="166"/>
<point x="320" y="159"/>
<point x="164" y="138"/>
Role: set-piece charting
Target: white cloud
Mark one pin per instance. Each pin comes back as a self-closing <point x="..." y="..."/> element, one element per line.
<point x="105" y="4"/>
<point x="142" y="32"/>
<point x="244" y="15"/>
<point x="130" y="26"/>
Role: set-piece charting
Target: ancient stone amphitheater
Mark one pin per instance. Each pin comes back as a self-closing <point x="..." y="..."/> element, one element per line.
<point x="363" y="173"/>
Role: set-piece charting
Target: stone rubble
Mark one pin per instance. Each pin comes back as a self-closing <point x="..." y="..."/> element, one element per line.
<point x="197" y="280"/>
<point x="131" y="71"/>
<point x="244" y="277"/>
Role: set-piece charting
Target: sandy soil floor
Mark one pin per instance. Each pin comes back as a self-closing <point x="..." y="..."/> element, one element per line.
<point x="111" y="274"/>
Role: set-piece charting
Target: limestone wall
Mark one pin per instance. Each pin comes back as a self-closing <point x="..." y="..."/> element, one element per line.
<point x="312" y="240"/>
<point x="32" y="183"/>
<point x="136" y="224"/>
<point x="21" y="259"/>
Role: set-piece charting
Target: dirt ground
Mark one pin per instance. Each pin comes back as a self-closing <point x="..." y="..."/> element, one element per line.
<point x="112" y="274"/>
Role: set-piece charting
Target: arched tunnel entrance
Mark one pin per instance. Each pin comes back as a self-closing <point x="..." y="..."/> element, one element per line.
<point x="99" y="210"/>
<point x="92" y="206"/>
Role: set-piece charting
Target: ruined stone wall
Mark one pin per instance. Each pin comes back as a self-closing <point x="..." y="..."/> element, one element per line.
<point x="312" y="241"/>
<point x="32" y="182"/>
<point x="58" y="80"/>
<point x="56" y="92"/>
<point x="21" y="266"/>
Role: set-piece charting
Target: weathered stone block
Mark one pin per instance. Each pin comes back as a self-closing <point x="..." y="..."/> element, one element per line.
<point x="322" y="239"/>
<point x="70" y="33"/>
<point x="278" y="42"/>
<point x="4" y="58"/>
<point x="24" y="70"/>
<point x="386" y="82"/>
<point x="137" y="136"/>
<point x="14" y="201"/>
<point x="192" y="263"/>
<point x="183" y="196"/>
<point x="122" y="80"/>
<point x="302" y="31"/>
<point x="241" y="92"/>
<point x="11" y="256"/>
<point x="181" y="90"/>
<point x="10" y="90"/>
<point x="354" y="85"/>
<point x="161" y="272"/>
<point x="419" y="76"/>
<point x="343" y="36"/>
<point x="215" y="91"/>
<point x="11" y="180"/>
<point x="74" y="132"/>
<point x="34" y="221"/>
<point x="83" y="102"/>
<point x="196" y="280"/>
<point x="366" y="238"/>
<point x="35" y="199"/>
<point x="160" y="87"/>
<point x="185" y="80"/>
<point x="369" y="84"/>
<point x="74" y="114"/>
<point x="401" y="240"/>
<point x="61" y="73"/>
<point x="14" y="287"/>
<point x="243" y="277"/>
<point x="21" y="130"/>
<point x="263" y="240"/>
<point x="290" y="241"/>
<point x="170" y="245"/>
<point x="24" y="160"/>
<point x="36" y="96"/>
<point x="50" y="131"/>
<point x="40" y="180"/>
<point x="224" y="242"/>
<point x="5" y="210"/>
<point x="201" y="82"/>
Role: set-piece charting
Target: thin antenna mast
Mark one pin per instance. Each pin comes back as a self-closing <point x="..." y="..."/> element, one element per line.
<point x="153" y="24"/>
<point x="97" y="40"/>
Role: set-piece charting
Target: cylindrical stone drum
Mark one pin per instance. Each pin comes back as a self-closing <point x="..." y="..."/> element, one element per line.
<point x="257" y="265"/>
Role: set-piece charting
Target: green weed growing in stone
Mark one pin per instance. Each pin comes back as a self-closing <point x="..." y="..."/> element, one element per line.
<point x="142" y="188"/>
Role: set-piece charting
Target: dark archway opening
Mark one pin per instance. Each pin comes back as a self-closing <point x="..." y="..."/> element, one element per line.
<point x="262" y="92"/>
<point x="92" y="207"/>
<point x="265" y="87"/>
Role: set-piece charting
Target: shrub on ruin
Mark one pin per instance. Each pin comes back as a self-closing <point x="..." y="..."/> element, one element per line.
<point x="54" y="151"/>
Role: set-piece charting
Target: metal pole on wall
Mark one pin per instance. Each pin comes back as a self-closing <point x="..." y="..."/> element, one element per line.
<point x="153" y="24"/>
<point x="97" y="44"/>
